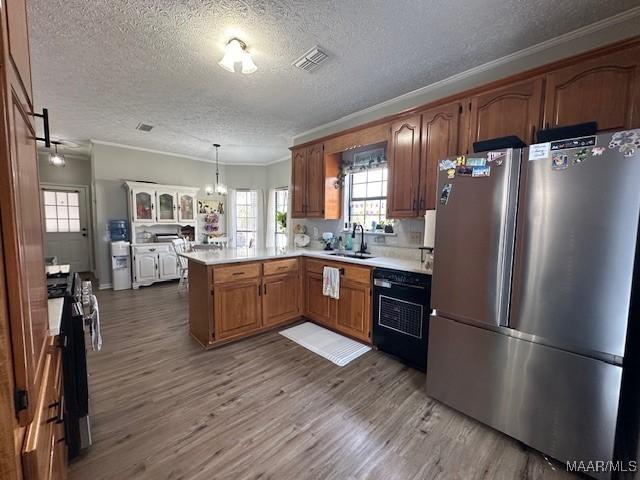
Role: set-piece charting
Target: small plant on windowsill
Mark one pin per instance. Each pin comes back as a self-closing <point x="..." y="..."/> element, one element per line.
<point x="281" y="221"/>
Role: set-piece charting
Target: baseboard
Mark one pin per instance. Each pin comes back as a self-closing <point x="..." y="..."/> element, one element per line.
<point x="105" y="286"/>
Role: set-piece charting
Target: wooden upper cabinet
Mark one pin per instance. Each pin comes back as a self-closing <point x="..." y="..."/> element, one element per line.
<point x="511" y="110"/>
<point x="440" y="132"/>
<point x="298" y="182"/>
<point x="403" y="155"/>
<point x="315" y="182"/>
<point x="605" y="89"/>
<point x="237" y="308"/>
<point x="16" y="18"/>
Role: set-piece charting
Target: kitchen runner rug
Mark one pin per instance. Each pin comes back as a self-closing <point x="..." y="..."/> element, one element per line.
<point x="332" y="346"/>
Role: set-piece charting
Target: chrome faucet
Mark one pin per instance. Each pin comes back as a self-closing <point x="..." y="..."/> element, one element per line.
<point x="363" y="246"/>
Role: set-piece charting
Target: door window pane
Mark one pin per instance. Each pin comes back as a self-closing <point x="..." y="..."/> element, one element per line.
<point x="59" y="207"/>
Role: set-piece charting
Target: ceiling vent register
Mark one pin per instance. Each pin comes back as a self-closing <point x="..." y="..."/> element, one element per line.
<point x="310" y="61"/>
<point x="143" y="127"/>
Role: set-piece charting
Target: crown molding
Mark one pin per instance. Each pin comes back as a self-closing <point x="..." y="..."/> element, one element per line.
<point x="178" y="155"/>
<point x="558" y="41"/>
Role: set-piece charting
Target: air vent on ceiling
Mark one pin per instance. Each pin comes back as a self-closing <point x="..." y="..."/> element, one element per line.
<point x="311" y="60"/>
<point x="143" y="127"/>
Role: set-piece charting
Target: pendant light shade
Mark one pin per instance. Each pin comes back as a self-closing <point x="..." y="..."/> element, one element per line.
<point x="56" y="159"/>
<point x="235" y="53"/>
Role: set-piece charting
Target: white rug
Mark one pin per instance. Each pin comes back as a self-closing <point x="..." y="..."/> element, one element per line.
<point x="336" y="348"/>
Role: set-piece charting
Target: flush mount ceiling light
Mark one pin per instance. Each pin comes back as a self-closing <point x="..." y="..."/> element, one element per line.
<point x="56" y="159"/>
<point x="236" y="56"/>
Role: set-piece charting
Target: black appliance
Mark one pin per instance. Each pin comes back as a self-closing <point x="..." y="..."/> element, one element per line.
<point x="59" y="284"/>
<point x="401" y="309"/>
<point x="74" y="367"/>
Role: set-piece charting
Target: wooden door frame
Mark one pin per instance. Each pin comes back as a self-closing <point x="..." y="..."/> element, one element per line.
<point x="84" y="191"/>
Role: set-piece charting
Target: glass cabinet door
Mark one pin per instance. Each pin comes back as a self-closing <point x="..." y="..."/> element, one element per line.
<point x="187" y="212"/>
<point x="166" y="206"/>
<point x="143" y="205"/>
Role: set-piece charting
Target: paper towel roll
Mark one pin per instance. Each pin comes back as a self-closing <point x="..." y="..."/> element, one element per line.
<point x="429" y="228"/>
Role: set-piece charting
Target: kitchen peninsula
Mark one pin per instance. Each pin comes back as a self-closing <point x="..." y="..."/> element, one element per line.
<point x="234" y="293"/>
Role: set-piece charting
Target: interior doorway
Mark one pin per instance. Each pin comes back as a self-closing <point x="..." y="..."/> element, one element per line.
<point x="66" y="225"/>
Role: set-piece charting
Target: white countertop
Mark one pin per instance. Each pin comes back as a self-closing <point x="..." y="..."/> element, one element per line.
<point x="233" y="255"/>
<point x="55" y="306"/>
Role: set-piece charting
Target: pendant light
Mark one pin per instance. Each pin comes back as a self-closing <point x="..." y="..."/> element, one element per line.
<point x="236" y="53"/>
<point x="56" y="159"/>
<point x="220" y="188"/>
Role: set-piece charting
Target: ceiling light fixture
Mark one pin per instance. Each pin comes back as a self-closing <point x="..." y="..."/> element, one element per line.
<point x="220" y="188"/>
<point x="56" y="159"/>
<point x="236" y="53"/>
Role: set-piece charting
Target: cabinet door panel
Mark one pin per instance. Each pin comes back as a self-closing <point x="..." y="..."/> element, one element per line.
<point x="186" y="207"/>
<point x="167" y="210"/>
<point x="605" y="90"/>
<point x="511" y="110"/>
<point x="168" y="265"/>
<point x="354" y="310"/>
<point x="317" y="306"/>
<point x="299" y="182"/>
<point x="146" y="267"/>
<point x="16" y="12"/>
<point x="280" y="299"/>
<point x="23" y="252"/>
<point x="315" y="182"/>
<point x="439" y="140"/>
<point x="144" y="205"/>
<point x="237" y="308"/>
<point x="404" y="168"/>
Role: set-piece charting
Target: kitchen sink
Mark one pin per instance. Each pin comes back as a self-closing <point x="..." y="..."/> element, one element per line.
<point x="352" y="255"/>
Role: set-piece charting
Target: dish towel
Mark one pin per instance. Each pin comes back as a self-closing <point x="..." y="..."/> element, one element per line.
<point x="96" y="336"/>
<point x="331" y="282"/>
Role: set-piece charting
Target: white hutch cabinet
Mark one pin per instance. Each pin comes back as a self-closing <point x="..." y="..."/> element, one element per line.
<point x="158" y="209"/>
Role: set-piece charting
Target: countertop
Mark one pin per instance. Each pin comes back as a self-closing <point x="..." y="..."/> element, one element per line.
<point x="55" y="306"/>
<point x="234" y="255"/>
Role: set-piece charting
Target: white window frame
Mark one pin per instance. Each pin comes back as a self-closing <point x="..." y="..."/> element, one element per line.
<point x="278" y="234"/>
<point x="64" y="214"/>
<point x="349" y="197"/>
<point x="247" y="217"/>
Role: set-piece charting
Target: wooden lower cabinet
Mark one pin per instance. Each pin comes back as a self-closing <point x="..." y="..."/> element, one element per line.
<point x="353" y="316"/>
<point x="351" y="313"/>
<point x="317" y="307"/>
<point x="280" y="299"/>
<point x="237" y="308"/>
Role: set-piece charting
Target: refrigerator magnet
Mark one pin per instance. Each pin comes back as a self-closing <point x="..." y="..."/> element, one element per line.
<point x="461" y="160"/>
<point x="481" y="171"/>
<point x="626" y="142"/>
<point x="451" y="173"/>
<point x="476" y="162"/>
<point x="447" y="164"/>
<point x="444" y="195"/>
<point x="464" y="171"/>
<point x="539" y="151"/>
<point x="559" y="161"/>
<point x="597" y="151"/>
<point x="579" y="156"/>
<point x="496" y="157"/>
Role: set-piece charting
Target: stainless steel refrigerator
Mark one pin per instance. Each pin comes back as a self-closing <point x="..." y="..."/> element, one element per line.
<point x="533" y="291"/>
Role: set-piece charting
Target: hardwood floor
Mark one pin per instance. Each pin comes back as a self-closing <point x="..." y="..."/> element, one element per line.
<point x="264" y="407"/>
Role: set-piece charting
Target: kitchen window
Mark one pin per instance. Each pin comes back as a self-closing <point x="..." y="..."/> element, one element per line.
<point x="281" y="202"/>
<point x="246" y="218"/>
<point x="368" y="196"/>
<point x="61" y="211"/>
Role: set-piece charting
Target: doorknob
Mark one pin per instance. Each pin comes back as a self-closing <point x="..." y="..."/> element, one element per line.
<point x="84" y="234"/>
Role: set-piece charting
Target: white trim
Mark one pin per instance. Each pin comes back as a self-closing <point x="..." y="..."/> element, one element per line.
<point x="105" y="286"/>
<point x="179" y="155"/>
<point x="520" y="54"/>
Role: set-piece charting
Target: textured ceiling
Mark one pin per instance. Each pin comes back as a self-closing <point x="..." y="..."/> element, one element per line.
<point x="102" y="66"/>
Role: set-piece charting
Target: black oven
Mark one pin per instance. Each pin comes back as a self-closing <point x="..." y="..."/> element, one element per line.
<point x="401" y="309"/>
